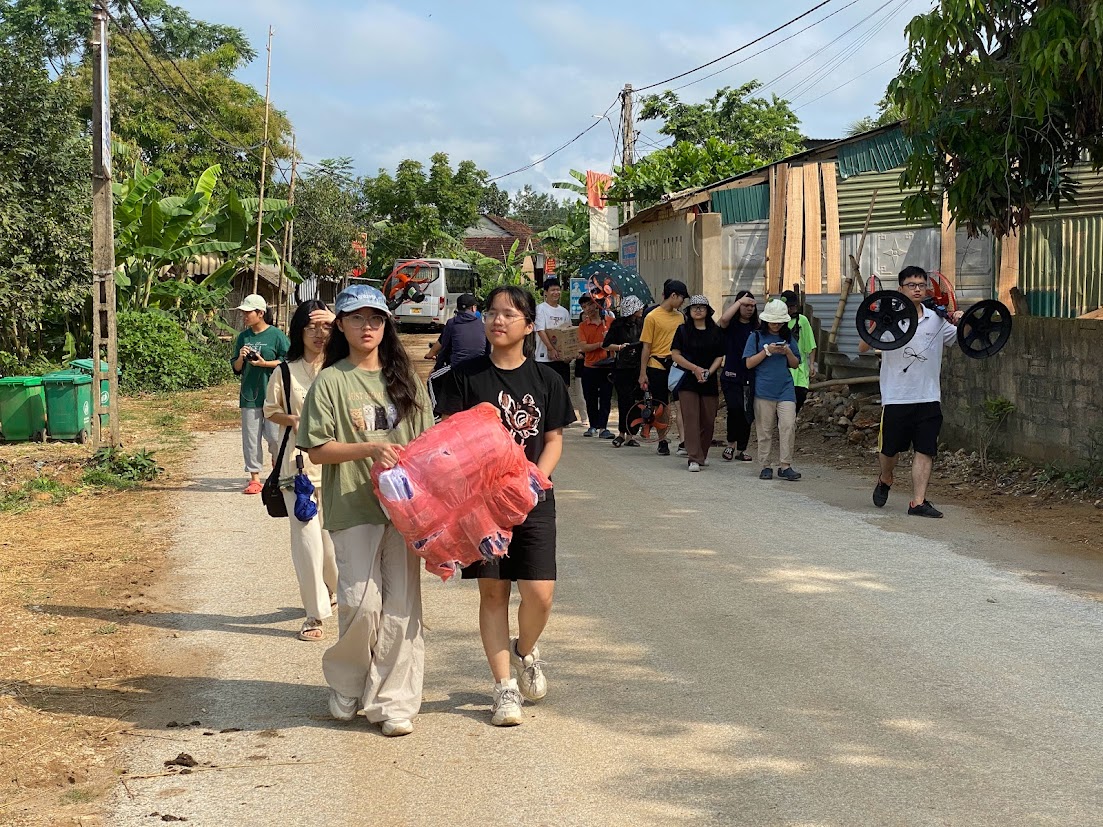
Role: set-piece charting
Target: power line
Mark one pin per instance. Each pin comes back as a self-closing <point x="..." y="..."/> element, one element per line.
<point x="896" y="56"/>
<point x="735" y="51"/>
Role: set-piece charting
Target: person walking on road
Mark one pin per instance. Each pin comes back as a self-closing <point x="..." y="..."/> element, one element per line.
<point x="804" y="338"/>
<point x="463" y="337"/>
<point x="311" y="546"/>
<point x="911" y="396"/>
<point x="552" y="316"/>
<point x="258" y="350"/>
<point x="769" y="353"/>
<point x="623" y="342"/>
<point x="738" y="322"/>
<point x="597" y="389"/>
<point x="365" y="404"/>
<point x="535" y="409"/>
<point x="698" y="349"/>
<point x="659" y="327"/>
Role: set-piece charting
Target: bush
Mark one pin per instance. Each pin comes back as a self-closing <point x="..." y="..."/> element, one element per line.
<point x="114" y="468"/>
<point x="155" y="354"/>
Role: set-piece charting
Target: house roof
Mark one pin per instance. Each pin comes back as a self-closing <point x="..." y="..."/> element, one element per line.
<point x="499" y="246"/>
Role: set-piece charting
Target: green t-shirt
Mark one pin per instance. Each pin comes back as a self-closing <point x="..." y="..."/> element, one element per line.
<point x="806" y="341"/>
<point x="273" y="344"/>
<point x="346" y="404"/>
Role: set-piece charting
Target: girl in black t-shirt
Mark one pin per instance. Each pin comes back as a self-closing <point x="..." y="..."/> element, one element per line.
<point x="698" y="349"/>
<point x="535" y="408"/>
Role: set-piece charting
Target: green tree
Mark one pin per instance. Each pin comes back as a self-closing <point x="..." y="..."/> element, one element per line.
<point x="411" y="214"/>
<point x="887" y="113"/>
<point x="537" y="209"/>
<point x="753" y="127"/>
<point x="328" y="219"/>
<point x="681" y="166"/>
<point x="1001" y="98"/>
<point x="569" y="241"/>
<point x="45" y="200"/>
<point x="495" y="201"/>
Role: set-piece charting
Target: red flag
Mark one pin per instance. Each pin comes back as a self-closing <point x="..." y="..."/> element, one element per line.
<point x="597" y="184"/>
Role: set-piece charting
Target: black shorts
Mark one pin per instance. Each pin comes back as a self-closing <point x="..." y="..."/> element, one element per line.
<point x="531" y="551"/>
<point x="915" y="425"/>
<point x="656" y="383"/>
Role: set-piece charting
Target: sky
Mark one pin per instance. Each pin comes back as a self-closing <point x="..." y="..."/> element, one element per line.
<point x="505" y="83"/>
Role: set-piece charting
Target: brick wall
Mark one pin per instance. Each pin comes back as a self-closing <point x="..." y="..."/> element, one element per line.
<point x="1052" y="370"/>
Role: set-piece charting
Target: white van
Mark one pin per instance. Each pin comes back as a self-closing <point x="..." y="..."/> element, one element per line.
<point x="449" y="278"/>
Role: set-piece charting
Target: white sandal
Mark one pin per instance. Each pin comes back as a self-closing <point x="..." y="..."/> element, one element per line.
<point x="311" y="624"/>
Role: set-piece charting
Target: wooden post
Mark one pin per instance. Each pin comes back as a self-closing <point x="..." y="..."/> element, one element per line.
<point x="948" y="255"/>
<point x="833" y="248"/>
<point x="779" y="194"/>
<point x="1009" y="270"/>
<point x="104" y="329"/>
<point x="794" y="232"/>
<point x="264" y="161"/>
<point x="813" y="247"/>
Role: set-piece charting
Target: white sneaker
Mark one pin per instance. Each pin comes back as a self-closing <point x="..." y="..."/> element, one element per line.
<point x="682" y="452"/>
<point x="507" y="704"/>
<point x="342" y="708"/>
<point x="693" y="466"/>
<point x="704" y="463"/>
<point x="529" y="672"/>
<point x="394" y="727"/>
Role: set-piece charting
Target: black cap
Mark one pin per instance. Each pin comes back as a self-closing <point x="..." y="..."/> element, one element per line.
<point x="550" y="281"/>
<point x="466" y="301"/>
<point x="672" y="286"/>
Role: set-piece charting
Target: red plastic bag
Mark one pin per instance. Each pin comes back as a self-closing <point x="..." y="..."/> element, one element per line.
<point x="459" y="489"/>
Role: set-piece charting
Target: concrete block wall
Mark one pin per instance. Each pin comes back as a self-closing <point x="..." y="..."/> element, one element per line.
<point x="1052" y="370"/>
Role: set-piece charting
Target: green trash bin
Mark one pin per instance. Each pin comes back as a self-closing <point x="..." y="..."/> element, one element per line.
<point x="68" y="405"/>
<point x="22" y="409"/>
<point x="85" y="367"/>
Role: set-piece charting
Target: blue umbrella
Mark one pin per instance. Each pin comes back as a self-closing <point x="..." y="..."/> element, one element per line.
<point x="305" y="507"/>
<point x="623" y="281"/>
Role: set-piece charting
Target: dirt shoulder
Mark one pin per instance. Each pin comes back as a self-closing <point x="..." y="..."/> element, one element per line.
<point x="75" y="561"/>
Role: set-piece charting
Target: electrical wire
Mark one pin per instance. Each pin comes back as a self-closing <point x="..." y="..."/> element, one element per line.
<point x="758" y="39"/>
<point x="856" y="77"/>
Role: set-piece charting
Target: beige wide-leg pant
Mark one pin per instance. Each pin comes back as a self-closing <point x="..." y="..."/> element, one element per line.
<point x="767" y="412"/>
<point x="313" y="558"/>
<point x="380" y="654"/>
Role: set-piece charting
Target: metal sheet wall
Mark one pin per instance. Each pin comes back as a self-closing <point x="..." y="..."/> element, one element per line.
<point x="737" y="206"/>
<point x="854" y="196"/>
<point x="1061" y="265"/>
<point x="743" y="257"/>
<point x="824" y="306"/>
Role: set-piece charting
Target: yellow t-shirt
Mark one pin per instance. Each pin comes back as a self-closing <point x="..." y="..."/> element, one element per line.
<point x="659" y="327"/>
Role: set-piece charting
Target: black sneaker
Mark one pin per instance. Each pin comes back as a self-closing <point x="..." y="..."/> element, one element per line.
<point x="767" y="474"/>
<point x="924" y="509"/>
<point x="788" y="474"/>
<point x="664" y="448"/>
<point x="881" y="493"/>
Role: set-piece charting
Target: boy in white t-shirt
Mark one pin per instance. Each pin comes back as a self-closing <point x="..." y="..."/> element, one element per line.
<point x="550" y="315"/>
<point x="911" y="396"/>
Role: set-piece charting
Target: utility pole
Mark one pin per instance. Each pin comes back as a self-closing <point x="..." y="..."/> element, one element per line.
<point x="264" y="162"/>
<point x="104" y="331"/>
<point x="628" y="140"/>
<point x="288" y="229"/>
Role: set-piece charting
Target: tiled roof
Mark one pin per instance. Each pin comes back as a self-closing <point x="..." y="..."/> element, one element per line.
<point x="493" y="247"/>
<point x="517" y="229"/>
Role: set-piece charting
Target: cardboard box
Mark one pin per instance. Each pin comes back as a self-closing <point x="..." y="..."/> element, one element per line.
<point x="566" y="342"/>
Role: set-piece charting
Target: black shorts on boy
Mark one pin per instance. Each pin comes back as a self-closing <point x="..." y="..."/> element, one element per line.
<point x="910" y="425"/>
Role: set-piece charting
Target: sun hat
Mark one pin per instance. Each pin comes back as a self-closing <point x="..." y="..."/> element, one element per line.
<point x="776" y="311"/>
<point x="466" y="302"/>
<point x="359" y="296"/>
<point x="253" y="302"/>
<point x="699" y="301"/>
<point x="630" y="305"/>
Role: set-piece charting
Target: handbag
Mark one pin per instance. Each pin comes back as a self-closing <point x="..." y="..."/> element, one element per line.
<point x="674" y="378"/>
<point x="270" y="494"/>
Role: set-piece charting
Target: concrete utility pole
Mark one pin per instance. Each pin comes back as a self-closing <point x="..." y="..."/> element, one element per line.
<point x="264" y="162"/>
<point x="104" y="330"/>
<point x="628" y="140"/>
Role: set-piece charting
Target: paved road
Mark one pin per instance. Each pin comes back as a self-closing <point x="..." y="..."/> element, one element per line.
<point x="724" y="651"/>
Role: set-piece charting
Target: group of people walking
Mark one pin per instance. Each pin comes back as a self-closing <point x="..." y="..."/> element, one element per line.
<point x="342" y="392"/>
<point x="684" y="357"/>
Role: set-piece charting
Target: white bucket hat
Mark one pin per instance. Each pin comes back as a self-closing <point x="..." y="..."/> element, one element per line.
<point x="776" y="311"/>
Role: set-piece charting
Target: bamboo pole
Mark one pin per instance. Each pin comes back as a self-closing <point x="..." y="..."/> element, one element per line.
<point x="264" y="161"/>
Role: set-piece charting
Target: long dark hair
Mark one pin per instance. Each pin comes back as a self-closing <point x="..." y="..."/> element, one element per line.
<point x="522" y="301"/>
<point x="398" y="371"/>
<point x="299" y="324"/>
<point x="755" y="322"/>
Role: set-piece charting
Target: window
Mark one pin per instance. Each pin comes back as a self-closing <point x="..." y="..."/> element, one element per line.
<point x="460" y="281"/>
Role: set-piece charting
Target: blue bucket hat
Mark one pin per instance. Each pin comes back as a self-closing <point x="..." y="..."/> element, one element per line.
<point x="359" y="296"/>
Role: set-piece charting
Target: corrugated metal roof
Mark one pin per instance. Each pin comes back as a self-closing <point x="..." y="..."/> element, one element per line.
<point x="854" y="196"/>
<point x="877" y="153"/>
<point x="737" y="206"/>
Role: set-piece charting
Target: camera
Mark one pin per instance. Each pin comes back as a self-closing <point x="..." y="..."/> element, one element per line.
<point x="252" y="355"/>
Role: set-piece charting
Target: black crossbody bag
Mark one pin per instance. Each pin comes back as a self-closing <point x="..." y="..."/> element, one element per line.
<point x="270" y="494"/>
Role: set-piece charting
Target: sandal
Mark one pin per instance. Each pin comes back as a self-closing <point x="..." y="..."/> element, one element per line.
<point x="619" y="441"/>
<point x="311" y="630"/>
<point x="729" y="454"/>
<point x="743" y="457"/>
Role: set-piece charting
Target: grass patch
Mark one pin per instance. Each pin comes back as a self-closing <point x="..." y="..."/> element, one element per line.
<point x="41" y="490"/>
<point x="77" y="796"/>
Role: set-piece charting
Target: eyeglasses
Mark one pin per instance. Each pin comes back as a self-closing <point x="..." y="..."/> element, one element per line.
<point x="318" y="330"/>
<point x="507" y="318"/>
<point x="914" y="285"/>
<point x="359" y="322"/>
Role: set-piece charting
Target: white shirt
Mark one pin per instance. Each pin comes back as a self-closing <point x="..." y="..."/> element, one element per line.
<point x="549" y="318"/>
<point x="913" y="373"/>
